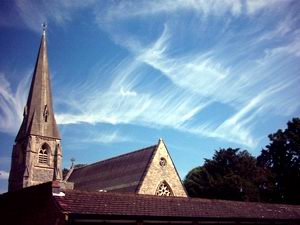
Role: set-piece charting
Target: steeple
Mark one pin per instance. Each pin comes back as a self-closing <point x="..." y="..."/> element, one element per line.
<point x="38" y="116"/>
<point x="37" y="154"/>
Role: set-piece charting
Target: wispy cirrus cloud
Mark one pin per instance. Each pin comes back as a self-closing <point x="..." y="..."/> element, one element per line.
<point x="247" y="86"/>
<point x="32" y="14"/>
<point x="12" y="104"/>
<point x="227" y="52"/>
<point x="254" y="6"/>
<point x="210" y="79"/>
<point x="141" y="8"/>
<point x="283" y="28"/>
<point x="292" y="48"/>
<point x="166" y="106"/>
<point x="3" y="181"/>
<point x="129" y="9"/>
<point x="4" y="175"/>
<point x="106" y="137"/>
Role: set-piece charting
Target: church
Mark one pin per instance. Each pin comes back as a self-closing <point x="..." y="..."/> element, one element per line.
<point x="37" y="153"/>
<point x="140" y="187"/>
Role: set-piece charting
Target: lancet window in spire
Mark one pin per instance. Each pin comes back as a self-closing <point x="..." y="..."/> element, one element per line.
<point x="45" y="114"/>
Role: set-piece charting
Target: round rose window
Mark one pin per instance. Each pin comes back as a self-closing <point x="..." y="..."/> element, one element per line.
<point x="162" y="162"/>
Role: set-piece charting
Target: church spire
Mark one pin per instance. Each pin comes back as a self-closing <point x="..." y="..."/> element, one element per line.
<point x="37" y="153"/>
<point x="38" y="117"/>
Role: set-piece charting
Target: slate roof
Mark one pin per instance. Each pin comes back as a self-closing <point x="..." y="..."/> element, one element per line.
<point x="177" y="208"/>
<point x="39" y="101"/>
<point x="38" y="205"/>
<point x="123" y="173"/>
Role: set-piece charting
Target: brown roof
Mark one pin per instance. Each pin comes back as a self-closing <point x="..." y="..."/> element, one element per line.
<point x="39" y="100"/>
<point x="123" y="173"/>
<point x="37" y="205"/>
<point x="177" y="208"/>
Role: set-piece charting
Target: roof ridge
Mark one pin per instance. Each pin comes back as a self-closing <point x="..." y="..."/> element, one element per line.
<point x="130" y="194"/>
<point x="170" y="198"/>
<point x="115" y="157"/>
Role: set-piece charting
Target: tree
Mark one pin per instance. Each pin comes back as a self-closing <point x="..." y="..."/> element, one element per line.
<point x="230" y="174"/>
<point x="282" y="158"/>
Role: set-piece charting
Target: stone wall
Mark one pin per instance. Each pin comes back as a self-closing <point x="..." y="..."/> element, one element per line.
<point x="26" y="169"/>
<point x="162" y="169"/>
<point x="40" y="173"/>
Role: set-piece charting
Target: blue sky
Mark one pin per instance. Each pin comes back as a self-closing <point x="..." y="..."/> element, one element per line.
<point x="202" y="75"/>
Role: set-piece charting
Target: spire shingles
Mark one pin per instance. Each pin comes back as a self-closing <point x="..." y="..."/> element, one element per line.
<point x="38" y="113"/>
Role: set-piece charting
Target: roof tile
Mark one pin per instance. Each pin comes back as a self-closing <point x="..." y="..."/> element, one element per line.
<point x="79" y="202"/>
<point x="122" y="173"/>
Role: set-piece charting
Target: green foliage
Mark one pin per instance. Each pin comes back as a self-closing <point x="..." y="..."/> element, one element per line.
<point x="236" y="175"/>
<point x="230" y="174"/>
<point x="282" y="158"/>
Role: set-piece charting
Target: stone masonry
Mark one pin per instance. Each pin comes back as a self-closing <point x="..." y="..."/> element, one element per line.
<point x="37" y="154"/>
<point x="159" y="172"/>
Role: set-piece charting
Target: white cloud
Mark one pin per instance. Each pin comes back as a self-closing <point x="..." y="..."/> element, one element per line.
<point x="253" y="92"/>
<point x="254" y="6"/>
<point x="166" y="106"/>
<point x="282" y="29"/>
<point x="106" y="137"/>
<point x="200" y="74"/>
<point x="233" y="71"/>
<point x="292" y="48"/>
<point x="131" y="9"/>
<point x="34" y="13"/>
<point x="238" y="126"/>
<point x="12" y="104"/>
<point x="4" y="175"/>
<point x="191" y="81"/>
<point x="127" y="92"/>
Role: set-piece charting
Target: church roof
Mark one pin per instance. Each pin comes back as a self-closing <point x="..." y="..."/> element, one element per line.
<point x="123" y="173"/>
<point x="38" y="117"/>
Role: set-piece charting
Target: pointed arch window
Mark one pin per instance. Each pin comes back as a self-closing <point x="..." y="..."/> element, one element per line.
<point x="44" y="154"/>
<point x="164" y="189"/>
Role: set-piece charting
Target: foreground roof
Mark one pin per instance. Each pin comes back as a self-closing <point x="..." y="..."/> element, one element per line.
<point x="178" y="208"/>
<point x="38" y="203"/>
<point x="123" y="173"/>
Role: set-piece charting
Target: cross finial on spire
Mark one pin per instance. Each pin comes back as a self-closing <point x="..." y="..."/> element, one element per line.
<point x="44" y="25"/>
<point x="72" y="161"/>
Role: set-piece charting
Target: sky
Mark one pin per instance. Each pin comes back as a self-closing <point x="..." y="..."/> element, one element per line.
<point x="201" y="74"/>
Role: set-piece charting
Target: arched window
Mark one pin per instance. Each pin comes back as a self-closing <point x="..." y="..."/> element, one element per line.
<point x="164" y="189"/>
<point x="43" y="154"/>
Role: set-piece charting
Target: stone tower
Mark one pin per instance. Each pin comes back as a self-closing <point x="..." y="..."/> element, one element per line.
<point x="37" y="154"/>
